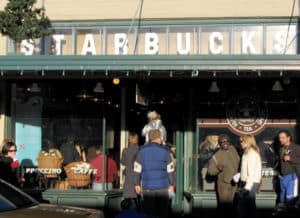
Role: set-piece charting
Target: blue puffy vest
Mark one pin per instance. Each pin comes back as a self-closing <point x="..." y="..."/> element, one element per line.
<point x="154" y="160"/>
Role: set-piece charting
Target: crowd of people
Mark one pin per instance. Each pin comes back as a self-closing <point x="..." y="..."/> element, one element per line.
<point x="150" y="172"/>
<point x="70" y="152"/>
<point x="149" y="186"/>
<point x="239" y="176"/>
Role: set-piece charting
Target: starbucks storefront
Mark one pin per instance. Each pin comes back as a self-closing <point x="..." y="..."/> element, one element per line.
<point x="94" y="83"/>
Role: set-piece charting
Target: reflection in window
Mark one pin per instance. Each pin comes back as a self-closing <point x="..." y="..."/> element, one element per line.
<point x="268" y="145"/>
<point x="60" y="130"/>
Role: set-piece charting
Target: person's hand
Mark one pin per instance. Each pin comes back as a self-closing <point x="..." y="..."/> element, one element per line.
<point x="138" y="189"/>
<point x="286" y="157"/>
<point x="21" y="180"/>
<point x="78" y="149"/>
<point x="171" y="192"/>
<point x="236" y="177"/>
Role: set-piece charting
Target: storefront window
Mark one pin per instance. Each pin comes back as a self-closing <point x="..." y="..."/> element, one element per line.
<point x="208" y="145"/>
<point x="58" y="128"/>
<point x="234" y="114"/>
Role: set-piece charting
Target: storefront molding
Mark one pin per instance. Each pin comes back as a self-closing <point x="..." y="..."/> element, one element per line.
<point x="130" y="66"/>
<point x="173" y="22"/>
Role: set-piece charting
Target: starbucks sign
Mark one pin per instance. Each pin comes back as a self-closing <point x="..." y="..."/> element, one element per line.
<point x="246" y="114"/>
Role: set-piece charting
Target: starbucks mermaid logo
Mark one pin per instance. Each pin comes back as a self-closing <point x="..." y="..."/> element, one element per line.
<point x="246" y="114"/>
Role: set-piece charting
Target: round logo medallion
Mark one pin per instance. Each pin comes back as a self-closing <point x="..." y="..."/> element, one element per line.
<point x="246" y="115"/>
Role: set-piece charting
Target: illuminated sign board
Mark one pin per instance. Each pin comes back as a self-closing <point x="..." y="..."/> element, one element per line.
<point x="198" y="40"/>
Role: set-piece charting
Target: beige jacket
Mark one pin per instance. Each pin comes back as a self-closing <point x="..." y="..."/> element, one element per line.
<point x="229" y="160"/>
<point x="251" y="168"/>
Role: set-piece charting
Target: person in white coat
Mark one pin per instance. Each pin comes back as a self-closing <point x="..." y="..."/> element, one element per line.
<point x="155" y="122"/>
<point x="250" y="177"/>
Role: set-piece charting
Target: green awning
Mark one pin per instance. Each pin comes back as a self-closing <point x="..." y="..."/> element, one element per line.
<point x="9" y="65"/>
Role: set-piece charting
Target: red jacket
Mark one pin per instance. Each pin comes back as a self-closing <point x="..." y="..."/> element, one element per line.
<point x="111" y="169"/>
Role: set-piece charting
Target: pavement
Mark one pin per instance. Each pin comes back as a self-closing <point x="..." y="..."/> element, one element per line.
<point x="260" y="213"/>
<point x="212" y="213"/>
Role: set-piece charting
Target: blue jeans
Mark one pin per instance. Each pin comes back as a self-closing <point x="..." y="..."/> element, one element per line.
<point x="288" y="188"/>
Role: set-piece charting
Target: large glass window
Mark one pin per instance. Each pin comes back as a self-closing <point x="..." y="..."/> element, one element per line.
<point x="64" y="131"/>
<point x="235" y="111"/>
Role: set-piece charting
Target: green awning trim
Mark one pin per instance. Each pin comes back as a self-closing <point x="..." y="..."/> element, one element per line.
<point x="149" y="62"/>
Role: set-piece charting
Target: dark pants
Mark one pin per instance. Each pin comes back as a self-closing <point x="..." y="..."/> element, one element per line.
<point x="156" y="203"/>
<point x="246" y="205"/>
<point x="133" y="203"/>
<point x="226" y="194"/>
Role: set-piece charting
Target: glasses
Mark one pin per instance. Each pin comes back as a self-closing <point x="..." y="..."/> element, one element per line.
<point x="15" y="150"/>
<point x="223" y="142"/>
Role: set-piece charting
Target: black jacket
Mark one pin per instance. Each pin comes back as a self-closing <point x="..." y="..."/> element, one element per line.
<point x="288" y="167"/>
<point x="7" y="173"/>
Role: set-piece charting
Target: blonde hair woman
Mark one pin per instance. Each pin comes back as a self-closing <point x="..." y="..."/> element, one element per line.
<point x="251" y="167"/>
<point x="210" y="143"/>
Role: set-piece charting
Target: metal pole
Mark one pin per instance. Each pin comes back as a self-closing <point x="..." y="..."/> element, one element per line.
<point x="177" y="166"/>
<point x="179" y="171"/>
<point x="196" y="151"/>
<point x="123" y="140"/>
<point x="104" y="152"/>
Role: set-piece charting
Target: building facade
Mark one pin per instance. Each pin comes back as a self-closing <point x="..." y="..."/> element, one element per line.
<point x="208" y="68"/>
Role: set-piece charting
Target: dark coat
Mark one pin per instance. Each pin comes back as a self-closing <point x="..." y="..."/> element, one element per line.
<point x="7" y="173"/>
<point x="127" y="159"/>
<point x="288" y="167"/>
<point x="229" y="159"/>
<point x="69" y="153"/>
